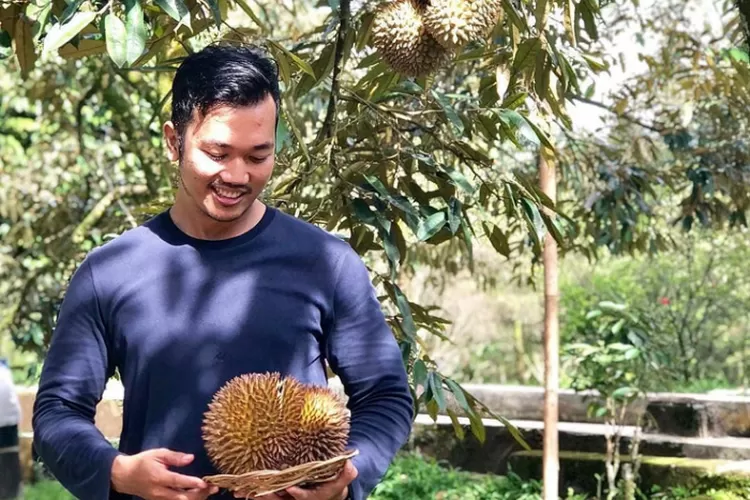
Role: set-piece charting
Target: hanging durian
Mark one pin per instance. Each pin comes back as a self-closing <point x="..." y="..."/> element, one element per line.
<point x="399" y="34"/>
<point x="454" y="23"/>
<point x="265" y="421"/>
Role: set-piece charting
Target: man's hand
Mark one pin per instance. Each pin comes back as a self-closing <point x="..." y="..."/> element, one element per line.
<point x="147" y="475"/>
<point x="335" y="489"/>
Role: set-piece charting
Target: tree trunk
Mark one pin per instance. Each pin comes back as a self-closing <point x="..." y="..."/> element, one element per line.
<point x="520" y="352"/>
<point x="550" y="454"/>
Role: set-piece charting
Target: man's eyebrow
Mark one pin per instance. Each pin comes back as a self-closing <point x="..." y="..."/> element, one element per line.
<point x="223" y="145"/>
<point x="265" y="145"/>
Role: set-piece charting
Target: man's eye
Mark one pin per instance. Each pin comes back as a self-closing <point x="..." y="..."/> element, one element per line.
<point x="216" y="157"/>
<point x="258" y="160"/>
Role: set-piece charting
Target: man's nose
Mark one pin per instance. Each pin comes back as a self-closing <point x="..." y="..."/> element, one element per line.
<point x="236" y="173"/>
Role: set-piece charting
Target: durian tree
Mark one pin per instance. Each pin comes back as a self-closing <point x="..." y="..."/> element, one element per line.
<point x="402" y="124"/>
<point x="675" y="154"/>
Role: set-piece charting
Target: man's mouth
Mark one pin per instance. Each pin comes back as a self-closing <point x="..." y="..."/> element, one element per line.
<point x="227" y="196"/>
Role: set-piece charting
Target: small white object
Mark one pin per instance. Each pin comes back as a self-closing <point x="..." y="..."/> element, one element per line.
<point x="10" y="408"/>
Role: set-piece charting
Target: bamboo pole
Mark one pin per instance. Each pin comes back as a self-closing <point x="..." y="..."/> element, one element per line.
<point x="550" y="454"/>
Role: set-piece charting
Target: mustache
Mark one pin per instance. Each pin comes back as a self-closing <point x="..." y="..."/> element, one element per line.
<point x="235" y="187"/>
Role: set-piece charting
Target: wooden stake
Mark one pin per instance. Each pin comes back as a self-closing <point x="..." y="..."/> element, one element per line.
<point x="550" y="454"/>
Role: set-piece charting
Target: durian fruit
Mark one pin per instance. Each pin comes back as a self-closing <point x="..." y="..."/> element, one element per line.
<point x="400" y="36"/>
<point x="454" y="23"/>
<point x="263" y="421"/>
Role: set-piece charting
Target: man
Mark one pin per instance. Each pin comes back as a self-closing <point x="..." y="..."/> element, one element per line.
<point x="218" y="285"/>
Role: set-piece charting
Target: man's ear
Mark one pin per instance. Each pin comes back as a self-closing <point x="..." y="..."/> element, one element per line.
<point x="170" y="138"/>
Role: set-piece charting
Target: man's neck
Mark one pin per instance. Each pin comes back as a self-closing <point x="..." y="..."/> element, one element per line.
<point x="195" y="223"/>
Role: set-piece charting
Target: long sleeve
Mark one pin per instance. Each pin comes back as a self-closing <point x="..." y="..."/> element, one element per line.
<point x="73" y="378"/>
<point x="363" y="352"/>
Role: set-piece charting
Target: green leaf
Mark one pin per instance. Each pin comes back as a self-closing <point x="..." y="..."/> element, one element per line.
<point x="450" y="113"/>
<point x="534" y="219"/>
<point x="303" y="65"/>
<point x="569" y="6"/>
<point x="116" y="39"/>
<point x="525" y="55"/>
<point x="519" y="124"/>
<point x="457" y="427"/>
<point x="739" y="55"/>
<point x="60" y="34"/>
<point x="391" y="250"/>
<point x="420" y="373"/>
<point x="540" y="134"/>
<point x="497" y="238"/>
<point x="362" y="211"/>
<point x="632" y="353"/>
<point x="135" y="27"/>
<point x="458" y="392"/>
<point x="477" y="427"/>
<point x="176" y="9"/>
<point x="541" y="15"/>
<point x="432" y="409"/>
<point x="430" y="226"/>
<point x="623" y="392"/>
<point x="436" y="384"/>
<point x="459" y="180"/>
<point x="515" y="16"/>
<point x="214" y="4"/>
<point x="454" y="215"/>
<point x="410" y="328"/>
<point x="589" y="22"/>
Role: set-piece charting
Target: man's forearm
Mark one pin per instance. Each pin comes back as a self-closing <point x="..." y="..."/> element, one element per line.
<point x="380" y="427"/>
<point x="363" y="352"/>
<point x="73" y="449"/>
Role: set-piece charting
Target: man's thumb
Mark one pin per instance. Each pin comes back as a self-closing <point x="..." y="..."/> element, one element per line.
<point x="172" y="457"/>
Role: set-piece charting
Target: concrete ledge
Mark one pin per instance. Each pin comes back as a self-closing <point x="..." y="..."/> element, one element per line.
<point x="439" y="440"/>
<point x="696" y="415"/>
<point x="578" y="471"/>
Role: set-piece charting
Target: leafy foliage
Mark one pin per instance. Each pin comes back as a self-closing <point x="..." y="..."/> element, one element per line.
<point x="690" y="304"/>
<point x="414" y="476"/>
<point x="672" y="150"/>
<point x="618" y="361"/>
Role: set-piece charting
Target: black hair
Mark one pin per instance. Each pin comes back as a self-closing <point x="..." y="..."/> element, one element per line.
<point x="231" y="75"/>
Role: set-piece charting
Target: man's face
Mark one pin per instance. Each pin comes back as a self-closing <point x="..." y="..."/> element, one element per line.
<point x="227" y="158"/>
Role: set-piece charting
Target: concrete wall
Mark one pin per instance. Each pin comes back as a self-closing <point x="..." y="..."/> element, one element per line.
<point x="684" y="419"/>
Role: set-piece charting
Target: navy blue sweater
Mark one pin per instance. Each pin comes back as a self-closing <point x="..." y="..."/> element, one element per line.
<point x="179" y="317"/>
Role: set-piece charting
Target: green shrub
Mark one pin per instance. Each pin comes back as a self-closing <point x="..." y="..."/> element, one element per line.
<point x="46" y="490"/>
<point x="415" y="477"/>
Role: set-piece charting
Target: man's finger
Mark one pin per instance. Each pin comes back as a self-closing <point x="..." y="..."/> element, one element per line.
<point x="270" y="496"/>
<point x="177" y="481"/>
<point x="202" y="494"/>
<point x="162" y="493"/>
<point x="171" y="457"/>
<point x="329" y="489"/>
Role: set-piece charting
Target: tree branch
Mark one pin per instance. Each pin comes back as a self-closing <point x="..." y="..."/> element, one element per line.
<point x="624" y="116"/>
<point x="328" y="124"/>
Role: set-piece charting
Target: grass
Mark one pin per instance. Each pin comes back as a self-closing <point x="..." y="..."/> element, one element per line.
<point x="46" y="490"/>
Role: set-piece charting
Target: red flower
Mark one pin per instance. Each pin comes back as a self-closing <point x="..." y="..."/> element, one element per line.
<point x="664" y="301"/>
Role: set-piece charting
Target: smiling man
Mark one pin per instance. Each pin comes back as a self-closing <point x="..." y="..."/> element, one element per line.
<point x="218" y="285"/>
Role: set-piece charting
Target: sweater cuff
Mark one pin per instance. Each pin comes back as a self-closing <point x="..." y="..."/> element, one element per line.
<point x="355" y="491"/>
<point x="103" y="480"/>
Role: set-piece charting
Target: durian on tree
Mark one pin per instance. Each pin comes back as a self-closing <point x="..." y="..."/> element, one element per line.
<point x="398" y="162"/>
